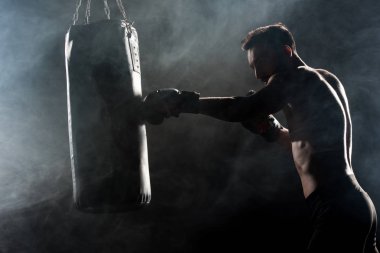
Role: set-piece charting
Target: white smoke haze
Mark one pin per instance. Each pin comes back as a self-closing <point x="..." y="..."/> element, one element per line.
<point x="210" y="179"/>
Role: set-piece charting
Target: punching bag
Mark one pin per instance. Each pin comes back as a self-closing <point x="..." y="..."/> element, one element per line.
<point x="108" y="146"/>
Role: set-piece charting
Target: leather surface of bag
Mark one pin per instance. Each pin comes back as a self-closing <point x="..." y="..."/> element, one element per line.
<point x="108" y="146"/>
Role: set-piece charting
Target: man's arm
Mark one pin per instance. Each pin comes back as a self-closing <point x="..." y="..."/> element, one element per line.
<point x="270" y="129"/>
<point x="165" y="103"/>
<point x="284" y="139"/>
<point x="268" y="100"/>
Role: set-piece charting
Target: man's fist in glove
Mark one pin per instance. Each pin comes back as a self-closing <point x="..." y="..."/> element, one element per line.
<point x="165" y="103"/>
<point x="266" y="126"/>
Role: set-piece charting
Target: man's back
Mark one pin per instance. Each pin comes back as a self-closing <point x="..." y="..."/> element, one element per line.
<point x="318" y="119"/>
<point x="317" y="111"/>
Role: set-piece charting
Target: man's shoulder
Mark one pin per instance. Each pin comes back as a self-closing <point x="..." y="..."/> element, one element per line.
<point x="330" y="78"/>
<point x="317" y="74"/>
<point x="308" y="72"/>
<point x="326" y="74"/>
<point x="302" y="75"/>
<point x="295" y="77"/>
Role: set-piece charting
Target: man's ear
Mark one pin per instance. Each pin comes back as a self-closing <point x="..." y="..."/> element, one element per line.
<point x="288" y="50"/>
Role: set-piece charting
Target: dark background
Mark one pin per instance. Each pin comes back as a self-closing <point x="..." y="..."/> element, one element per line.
<point x="214" y="185"/>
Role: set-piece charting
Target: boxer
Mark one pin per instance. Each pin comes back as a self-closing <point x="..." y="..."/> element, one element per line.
<point x="318" y="134"/>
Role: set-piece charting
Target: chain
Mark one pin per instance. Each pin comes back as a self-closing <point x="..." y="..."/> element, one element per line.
<point x="122" y="10"/>
<point x="88" y="12"/>
<point x="76" y="14"/>
<point x="107" y="9"/>
<point x="127" y="24"/>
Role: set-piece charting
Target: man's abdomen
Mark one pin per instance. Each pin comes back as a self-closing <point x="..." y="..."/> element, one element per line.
<point x="328" y="169"/>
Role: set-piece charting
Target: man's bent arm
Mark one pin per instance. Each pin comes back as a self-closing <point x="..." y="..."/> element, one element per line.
<point x="284" y="139"/>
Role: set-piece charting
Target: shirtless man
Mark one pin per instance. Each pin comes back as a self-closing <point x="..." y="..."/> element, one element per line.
<point x="319" y="134"/>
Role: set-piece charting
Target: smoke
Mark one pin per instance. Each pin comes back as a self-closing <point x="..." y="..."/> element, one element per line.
<point x="29" y="148"/>
<point x="202" y="170"/>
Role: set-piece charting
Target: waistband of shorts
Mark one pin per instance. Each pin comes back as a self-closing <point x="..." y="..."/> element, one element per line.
<point x="334" y="192"/>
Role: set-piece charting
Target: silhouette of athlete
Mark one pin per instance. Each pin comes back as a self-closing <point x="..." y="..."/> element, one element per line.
<point x="319" y="134"/>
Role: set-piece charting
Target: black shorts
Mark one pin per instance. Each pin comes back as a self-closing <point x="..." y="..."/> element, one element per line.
<point x="344" y="222"/>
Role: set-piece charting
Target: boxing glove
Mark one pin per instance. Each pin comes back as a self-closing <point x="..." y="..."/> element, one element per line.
<point x="164" y="103"/>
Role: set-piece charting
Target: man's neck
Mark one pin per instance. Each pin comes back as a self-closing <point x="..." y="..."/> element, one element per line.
<point x="296" y="61"/>
<point x="290" y="67"/>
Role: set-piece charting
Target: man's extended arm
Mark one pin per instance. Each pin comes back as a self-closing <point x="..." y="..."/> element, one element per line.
<point x="233" y="109"/>
<point x="256" y="118"/>
<point x="268" y="100"/>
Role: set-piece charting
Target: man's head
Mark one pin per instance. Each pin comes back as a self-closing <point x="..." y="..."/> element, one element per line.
<point x="269" y="49"/>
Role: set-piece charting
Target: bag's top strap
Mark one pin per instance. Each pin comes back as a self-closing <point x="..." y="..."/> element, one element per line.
<point x="106" y="10"/>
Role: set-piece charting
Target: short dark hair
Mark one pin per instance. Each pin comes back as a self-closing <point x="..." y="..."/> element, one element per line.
<point x="274" y="35"/>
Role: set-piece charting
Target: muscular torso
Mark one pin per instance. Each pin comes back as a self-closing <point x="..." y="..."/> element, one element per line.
<point x="316" y="108"/>
<point x="320" y="129"/>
